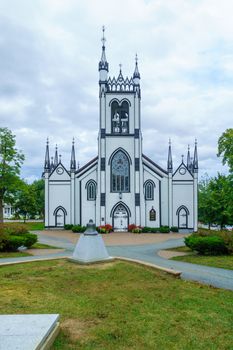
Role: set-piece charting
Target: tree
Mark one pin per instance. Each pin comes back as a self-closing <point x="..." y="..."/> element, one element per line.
<point x="25" y="201"/>
<point x="11" y="160"/>
<point x="39" y="193"/>
<point x="225" y="148"/>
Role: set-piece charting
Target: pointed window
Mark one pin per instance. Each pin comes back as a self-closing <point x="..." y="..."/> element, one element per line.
<point x="120" y="118"/>
<point x="149" y="190"/>
<point x="91" y="190"/>
<point x="120" y="172"/>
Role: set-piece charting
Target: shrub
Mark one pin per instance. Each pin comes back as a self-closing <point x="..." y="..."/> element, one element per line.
<point x="78" y="228"/>
<point x="154" y="229"/>
<point x="108" y="228"/>
<point x="211" y="245"/>
<point x="13" y="243"/>
<point x="15" y="229"/>
<point x="164" y="229"/>
<point x="131" y="227"/>
<point x="146" y="229"/>
<point x="174" y="229"/>
<point x="29" y="239"/>
<point x="137" y="229"/>
<point x="68" y="227"/>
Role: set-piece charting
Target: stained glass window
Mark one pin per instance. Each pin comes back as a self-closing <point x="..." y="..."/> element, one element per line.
<point x="91" y="191"/>
<point x="149" y="190"/>
<point x="120" y="172"/>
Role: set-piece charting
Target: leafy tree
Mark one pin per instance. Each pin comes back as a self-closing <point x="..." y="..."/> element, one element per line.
<point x="225" y="148"/>
<point x="205" y="205"/>
<point x="38" y="186"/>
<point x="25" y="201"/>
<point x="10" y="164"/>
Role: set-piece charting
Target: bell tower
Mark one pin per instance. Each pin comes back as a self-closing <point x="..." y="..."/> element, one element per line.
<point x="120" y="144"/>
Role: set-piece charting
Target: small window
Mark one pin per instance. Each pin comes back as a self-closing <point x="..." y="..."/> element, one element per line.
<point x="149" y="190"/>
<point x="91" y="190"/>
<point x="152" y="215"/>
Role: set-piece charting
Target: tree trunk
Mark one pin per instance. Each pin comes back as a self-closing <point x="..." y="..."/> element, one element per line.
<point x="209" y="225"/>
<point x="1" y="210"/>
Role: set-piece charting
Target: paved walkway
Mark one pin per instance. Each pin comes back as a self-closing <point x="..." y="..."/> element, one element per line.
<point x="144" y="252"/>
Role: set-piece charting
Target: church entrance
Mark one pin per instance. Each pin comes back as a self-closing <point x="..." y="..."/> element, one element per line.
<point x="183" y="218"/>
<point x="120" y="219"/>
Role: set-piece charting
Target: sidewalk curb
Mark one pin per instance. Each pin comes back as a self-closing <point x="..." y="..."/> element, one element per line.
<point x="140" y="262"/>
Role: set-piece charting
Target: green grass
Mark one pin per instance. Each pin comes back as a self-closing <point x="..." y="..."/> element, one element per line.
<point x="31" y="226"/>
<point x="43" y="246"/>
<point x="183" y="249"/>
<point x="222" y="261"/>
<point x="13" y="254"/>
<point x="120" y="306"/>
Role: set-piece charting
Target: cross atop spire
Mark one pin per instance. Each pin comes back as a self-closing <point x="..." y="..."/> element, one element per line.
<point x="103" y="64"/>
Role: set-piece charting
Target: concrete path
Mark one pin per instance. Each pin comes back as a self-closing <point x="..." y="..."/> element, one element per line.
<point x="148" y="253"/>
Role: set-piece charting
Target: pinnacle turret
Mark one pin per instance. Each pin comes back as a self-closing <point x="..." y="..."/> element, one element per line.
<point x="136" y="74"/>
<point x="169" y="159"/>
<point x="56" y="157"/>
<point x="103" y="64"/>
<point x="72" y="160"/>
<point x="195" y="159"/>
<point x="47" y="159"/>
<point x="189" y="164"/>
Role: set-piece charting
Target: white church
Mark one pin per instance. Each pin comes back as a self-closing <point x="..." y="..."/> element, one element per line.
<point x="121" y="185"/>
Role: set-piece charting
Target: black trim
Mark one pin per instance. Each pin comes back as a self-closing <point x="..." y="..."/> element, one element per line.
<point x="110" y="162"/>
<point x="119" y="101"/>
<point x="146" y="183"/>
<point x="137" y="199"/>
<point x="178" y="214"/>
<point x="119" y="135"/>
<point x="89" y="182"/>
<point x="136" y="164"/>
<point x="153" y="170"/>
<point x="136" y="133"/>
<point x="182" y="164"/>
<point x="116" y="205"/>
<point x="64" y="213"/>
<point x="119" y="149"/>
<point x="102" y="164"/>
<point x="102" y="133"/>
<point x="102" y="199"/>
<point x="80" y="202"/>
<point x="156" y="165"/>
<point x="86" y="165"/>
<point x="59" y="165"/>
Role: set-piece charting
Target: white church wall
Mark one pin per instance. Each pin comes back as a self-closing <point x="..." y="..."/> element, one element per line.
<point x="183" y="196"/>
<point x="155" y="203"/>
<point x="164" y="201"/>
<point x="87" y="208"/>
<point x="59" y="196"/>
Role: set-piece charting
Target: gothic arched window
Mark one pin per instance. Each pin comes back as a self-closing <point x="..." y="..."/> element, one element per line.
<point x="149" y="190"/>
<point x="120" y="118"/>
<point x="120" y="172"/>
<point x="91" y="190"/>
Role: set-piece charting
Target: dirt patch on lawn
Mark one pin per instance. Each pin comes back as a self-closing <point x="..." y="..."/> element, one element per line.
<point x="75" y="328"/>
<point x="37" y="252"/>
<point x="168" y="254"/>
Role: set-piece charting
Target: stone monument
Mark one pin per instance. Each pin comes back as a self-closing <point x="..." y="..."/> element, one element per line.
<point x="90" y="247"/>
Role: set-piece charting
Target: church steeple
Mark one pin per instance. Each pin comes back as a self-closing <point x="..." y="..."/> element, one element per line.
<point x="103" y="64"/>
<point x="136" y="74"/>
<point x="47" y="159"/>
<point x="72" y="160"/>
<point x="195" y="159"/>
<point x="169" y="159"/>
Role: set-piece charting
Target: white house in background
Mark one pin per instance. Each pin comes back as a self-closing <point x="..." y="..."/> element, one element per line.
<point x="8" y="211"/>
<point x="121" y="185"/>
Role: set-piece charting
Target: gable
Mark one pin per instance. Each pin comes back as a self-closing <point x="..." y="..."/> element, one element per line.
<point x="182" y="174"/>
<point x="59" y="174"/>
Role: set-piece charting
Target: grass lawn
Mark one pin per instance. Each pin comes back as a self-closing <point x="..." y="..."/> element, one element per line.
<point x="43" y="246"/>
<point x="222" y="261"/>
<point x="31" y="226"/>
<point x="120" y="306"/>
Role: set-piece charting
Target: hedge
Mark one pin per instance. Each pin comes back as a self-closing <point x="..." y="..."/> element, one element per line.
<point x="14" y="236"/>
<point x="208" y="245"/>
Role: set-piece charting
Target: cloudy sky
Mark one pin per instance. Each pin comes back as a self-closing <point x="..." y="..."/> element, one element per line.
<point x="49" y="77"/>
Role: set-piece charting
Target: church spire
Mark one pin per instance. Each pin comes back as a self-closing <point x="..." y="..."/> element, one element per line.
<point x="169" y="159"/>
<point x="55" y="157"/>
<point x="47" y="160"/>
<point x="136" y="74"/>
<point x="72" y="160"/>
<point x="195" y="159"/>
<point x="189" y="165"/>
<point x="103" y="64"/>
